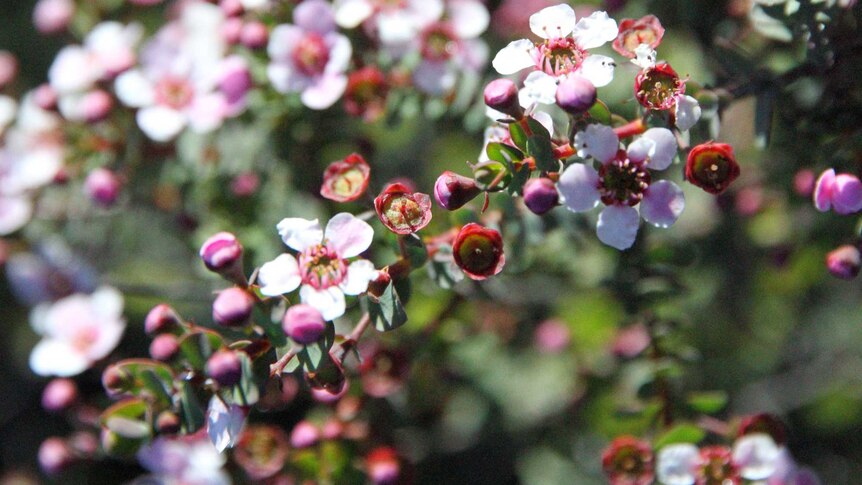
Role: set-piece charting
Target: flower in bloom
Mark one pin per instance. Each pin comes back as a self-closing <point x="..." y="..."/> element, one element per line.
<point x="366" y="93"/>
<point x="478" y="251"/>
<point x="842" y="192"/>
<point x="712" y="167"/>
<point x="675" y="464"/>
<point x="715" y="466"/>
<point x="563" y="51"/>
<point x="628" y="461"/>
<point x="187" y="460"/>
<point x="76" y="332"/>
<point x="261" y="451"/>
<point x="322" y="272"/>
<point x="645" y="30"/>
<point x="346" y="180"/>
<point x="622" y="183"/>
<point x="310" y="56"/>
<point x="402" y="212"/>
<point x="659" y="87"/>
<point x="395" y="24"/>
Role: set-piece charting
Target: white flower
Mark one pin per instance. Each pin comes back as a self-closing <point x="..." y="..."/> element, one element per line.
<point x="756" y="455"/>
<point x="224" y="425"/>
<point x="187" y="460"/>
<point x="77" y="331"/>
<point x="564" y="50"/>
<point x="396" y="24"/>
<point x="322" y="272"/>
<point x="676" y="464"/>
<point x="623" y="182"/>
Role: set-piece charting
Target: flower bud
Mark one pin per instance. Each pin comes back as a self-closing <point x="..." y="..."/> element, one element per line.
<point x="402" y="212"/>
<point x="222" y="254"/>
<point x="53" y="16"/>
<point x="231" y="30"/>
<point x="575" y="94"/>
<point x="712" y="167"/>
<point x="502" y="95"/>
<point x="96" y="106"/>
<point x="763" y="423"/>
<point x="552" y="337"/>
<point x="632" y="33"/>
<point x="116" y="380"/>
<point x="161" y="319"/>
<point x="844" y="262"/>
<point x="234" y="81"/>
<point x="383" y="466"/>
<point x="803" y="182"/>
<point x="453" y="191"/>
<point x="45" y="97"/>
<point x="231" y="8"/>
<point x="333" y="429"/>
<point x="842" y="192"/>
<point x="304" y="434"/>
<point x="540" y="195"/>
<point x="55" y="455"/>
<point x="233" y="307"/>
<point x="168" y="423"/>
<point x="478" y="251"/>
<point x="224" y="367"/>
<point x="164" y="347"/>
<point x="8" y="68"/>
<point x="629" y="460"/>
<point x="346" y="180"/>
<point x="245" y="184"/>
<point x="261" y="451"/>
<point x="59" y="395"/>
<point x="254" y="35"/>
<point x="303" y="323"/>
<point x="103" y="186"/>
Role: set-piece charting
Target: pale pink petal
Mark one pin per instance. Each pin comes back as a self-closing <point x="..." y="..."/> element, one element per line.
<point x="15" y="211"/>
<point x="52" y="357"/>
<point x="687" y="112"/>
<point x="553" y="22"/>
<point x="325" y="92"/>
<point x="285" y="79"/>
<point x="224" y="425"/>
<point x="160" y="123"/>
<point x="396" y="28"/>
<point x="314" y="16"/>
<point x="359" y="274"/>
<point x="348" y="235"/>
<point x="108" y="335"/>
<point x="578" y="187"/>
<point x="351" y="13"/>
<point x="645" y="56"/>
<point x="434" y="77"/>
<point x="207" y="112"/>
<point x="300" y="234"/>
<point x="279" y="276"/>
<point x="595" y="30"/>
<point x="539" y="87"/>
<point x="598" y="69"/>
<point x="663" y="203"/>
<point x="329" y="302"/>
<point x="846" y="194"/>
<point x="618" y="226"/>
<point x="756" y="455"/>
<point x="597" y="141"/>
<point x="339" y="54"/>
<point x="823" y="190"/>
<point x="518" y="55"/>
<point x="656" y="144"/>
<point x="676" y="464"/>
<point x="469" y="18"/>
<point x="282" y="41"/>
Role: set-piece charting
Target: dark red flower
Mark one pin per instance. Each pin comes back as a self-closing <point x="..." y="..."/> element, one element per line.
<point x="366" y="93"/>
<point x="629" y="461"/>
<point x="645" y="30"/>
<point x="346" y="180"/>
<point x="763" y="423"/>
<point x="261" y="451"/>
<point x="715" y="467"/>
<point x="712" y="167"/>
<point x="401" y="211"/>
<point x="478" y="251"/>
<point x="658" y="87"/>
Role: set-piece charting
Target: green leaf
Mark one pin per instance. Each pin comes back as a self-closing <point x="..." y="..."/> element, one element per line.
<point x="707" y="402"/>
<point x="191" y="413"/>
<point x="312" y="355"/>
<point x="519" y="178"/>
<point x="540" y="149"/>
<point x="600" y="113"/>
<point x="293" y="364"/>
<point x="503" y="153"/>
<point x="519" y="136"/>
<point x="148" y="378"/>
<point x="125" y="427"/>
<point x="415" y="249"/>
<point x="681" y="433"/>
<point x="246" y="392"/>
<point x="537" y="128"/>
<point x="197" y="346"/>
<point x="386" y="312"/>
<point x="443" y="270"/>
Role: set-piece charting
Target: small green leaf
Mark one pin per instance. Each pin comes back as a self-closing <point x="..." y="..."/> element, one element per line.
<point x="600" y="113"/>
<point x="246" y="392"/>
<point x="681" y="433"/>
<point x="415" y="249"/>
<point x="541" y="150"/>
<point x="519" y="136"/>
<point x="191" y="413"/>
<point x="537" y="128"/>
<point x="503" y="153"/>
<point x="386" y="312"/>
<point x="707" y="402"/>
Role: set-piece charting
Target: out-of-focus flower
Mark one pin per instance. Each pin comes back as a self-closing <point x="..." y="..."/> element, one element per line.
<point x="383" y="466"/>
<point x="187" y="460"/>
<point x="632" y="33"/>
<point x="844" y="262"/>
<point x="49" y="273"/>
<point x="234" y="82"/>
<point x="55" y="455"/>
<point x="712" y="167"/>
<point x="304" y="434"/>
<point x="675" y="464"/>
<point x="261" y="451"/>
<point x="402" y="212"/>
<point x="623" y="182"/>
<point x="164" y="347"/>
<point x="552" y="336"/>
<point x="842" y="192"/>
<point x="715" y="467"/>
<point x="756" y="455"/>
<point x="383" y="370"/>
<point x="103" y="187"/>
<point x="395" y="24"/>
<point x="478" y="251"/>
<point x="322" y="272"/>
<point x="59" y="395"/>
<point x="629" y="461"/>
<point x="254" y="35"/>
<point x="53" y="16"/>
<point x="77" y="331"/>
<point x="8" y="69"/>
<point x="224" y="424"/>
<point x="346" y="180"/>
<point x="366" y="93"/>
<point x="564" y="51"/>
<point x="310" y="57"/>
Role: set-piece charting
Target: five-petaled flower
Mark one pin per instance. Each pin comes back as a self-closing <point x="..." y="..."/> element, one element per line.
<point x="322" y="271"/>
<point x="658" y="87"/>
<point x="623" y="182"/>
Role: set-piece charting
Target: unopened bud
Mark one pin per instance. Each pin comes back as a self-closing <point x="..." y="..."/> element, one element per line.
<point x="55" y="455"/>
<point x="103" y="186"/>
<point x="844" y="262"/>
<point x="233" y="307"/>
<point x="576" y="95"/>
<point x="164" y="347"/>
<point x="45" y="97"/>
<point x="53" y="16"/>
<point x="222" y="254"/>
<point x="303" y="323"/>
<point x="116" y="380"/>
<point x="96" y="106"/>
<point x="231" y="8"/>
<point x="161" y="318"/>
<point x="712" y="167"/>
<point x="168" y="423"/>
<point x="540" y="195"/>
<point x="224" y="367"/>
<point x="383" y="466"/>
<point x="231" y="30"/>
<point x="59" y="395"/>
<point x="254" y="35"/>
<point x="453" y="191"/>
<point x="304" y="434"/>
<point x="502" y="95"/>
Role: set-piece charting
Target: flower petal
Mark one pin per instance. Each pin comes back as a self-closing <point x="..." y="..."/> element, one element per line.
<point x="823" y="190"/>
<point x="351" y="13"/>
<point x="595" y="30"/>
<point x="663" y="203"/>
<point x="469" y="18"/>
<point x="340" y="51"/>
<point x="325" y="92"/>
<point x="656" y="144"/>
<point x="847" y="194"/>
<point x="539" y="87"/>
<point x="687" y="112"/>
<point x="359" y="274"/>
<point x="618" y="226"/>
<point x="52" y="357"/>
<point x="553" y="22"/>
<point x="348" y="234"/>
<point x="15" y="211"/>
<point x="329" y="302"/>
<point x="315" y="16"/>
<point x="300" y="234"/>
<point x="578" y="187"/>
<point x="598" y="69"/>
<point x="160" y="123"/>
<point x="134" y="89"/>
<point x="279" y="276"/>
<point x="283" y="41"/>
<point x="756" y="455"/>
<point x="676" y="463"/>
<point x="224" y="425"/>
<point x="514" y="57"/>
<point x="597" y="141"/>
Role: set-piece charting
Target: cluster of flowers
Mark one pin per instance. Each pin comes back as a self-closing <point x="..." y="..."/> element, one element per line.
<point x="758" y="455"/>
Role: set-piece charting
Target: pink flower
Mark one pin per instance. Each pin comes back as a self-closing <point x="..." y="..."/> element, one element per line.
<point x="564" y="51"/>
<point x="77" y="331"/>
<point x="188" y="460"/>
<point x="310" y="57"/>
<point x="659" y="87"/>
<point x="395" y="24"/>
<point x="623" y="182"/>
<point x="842" y="192"/>
<point x="322" y="272"/>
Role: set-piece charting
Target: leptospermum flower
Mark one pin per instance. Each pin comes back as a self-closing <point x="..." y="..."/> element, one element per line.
<point x="323" y="273"/>
<point x="563" y="52"/>
<point x="189" y="460"/>
<point x="716" y="467"/>
<point x="645" y="30"/>
<point x="623" y="183"/>
<point x="756" y="455"/>
<point x="394" y="24"/>
<point x="402" y="212"/>
<point x="310" y="57"/>
<point x="478" y="251"/>
<point x="842" y="192"/>
<point x="659" y="87"/>
<point x="77" y="331"/>
<point x="346" y="180"/>
<point x="713" y="167"/>
<point x="629" y="461"/>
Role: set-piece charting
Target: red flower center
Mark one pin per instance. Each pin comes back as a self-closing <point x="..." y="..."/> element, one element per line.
<point x="174" y="92"/>
<point x="321" y="267"/>
<point x="311" y="55"/>
<point x="622" y="181"/>
<point x="560" y="56"/>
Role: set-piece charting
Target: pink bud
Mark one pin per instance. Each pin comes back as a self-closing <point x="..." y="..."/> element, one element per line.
<point x="844" y="262"/>
<point x="8" y="68"/>
<point x="303" y="323"/>
<point x="383" y="466"/>
<point x="846" y="194"/>
<point x="575" y="94"/>
<point x="59" y="394"/>
<point x="164" y="347"/>
<point x="53" y="16"/>
<point x="168" y="423"/>
<point x="254" y="35"/>
<point x="823" y="190"/>
<point x="540" y="195"/>
<point x="803" y="182"/>
<point x="332" y="429"/>
<point x="233" y="307"/>
<point x="245" y="184"/>
<point x="96" y="106"/>
<point x="231" y="8"/>
<point x="161" y="318"/>
<point x="222" y="254"/>
<point x="55" y="455"/>
<point x="304" y="434"/>
<point x="45" y="97"/>
<point x="103" y="186"/>
<point x="231" y="30"/>
<point x="453" y="191"/>
<point x="224" y="367"/>
<point x="502" y="95"/>
<point x="235" y="82"/>
<point x="552" y="337"/>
